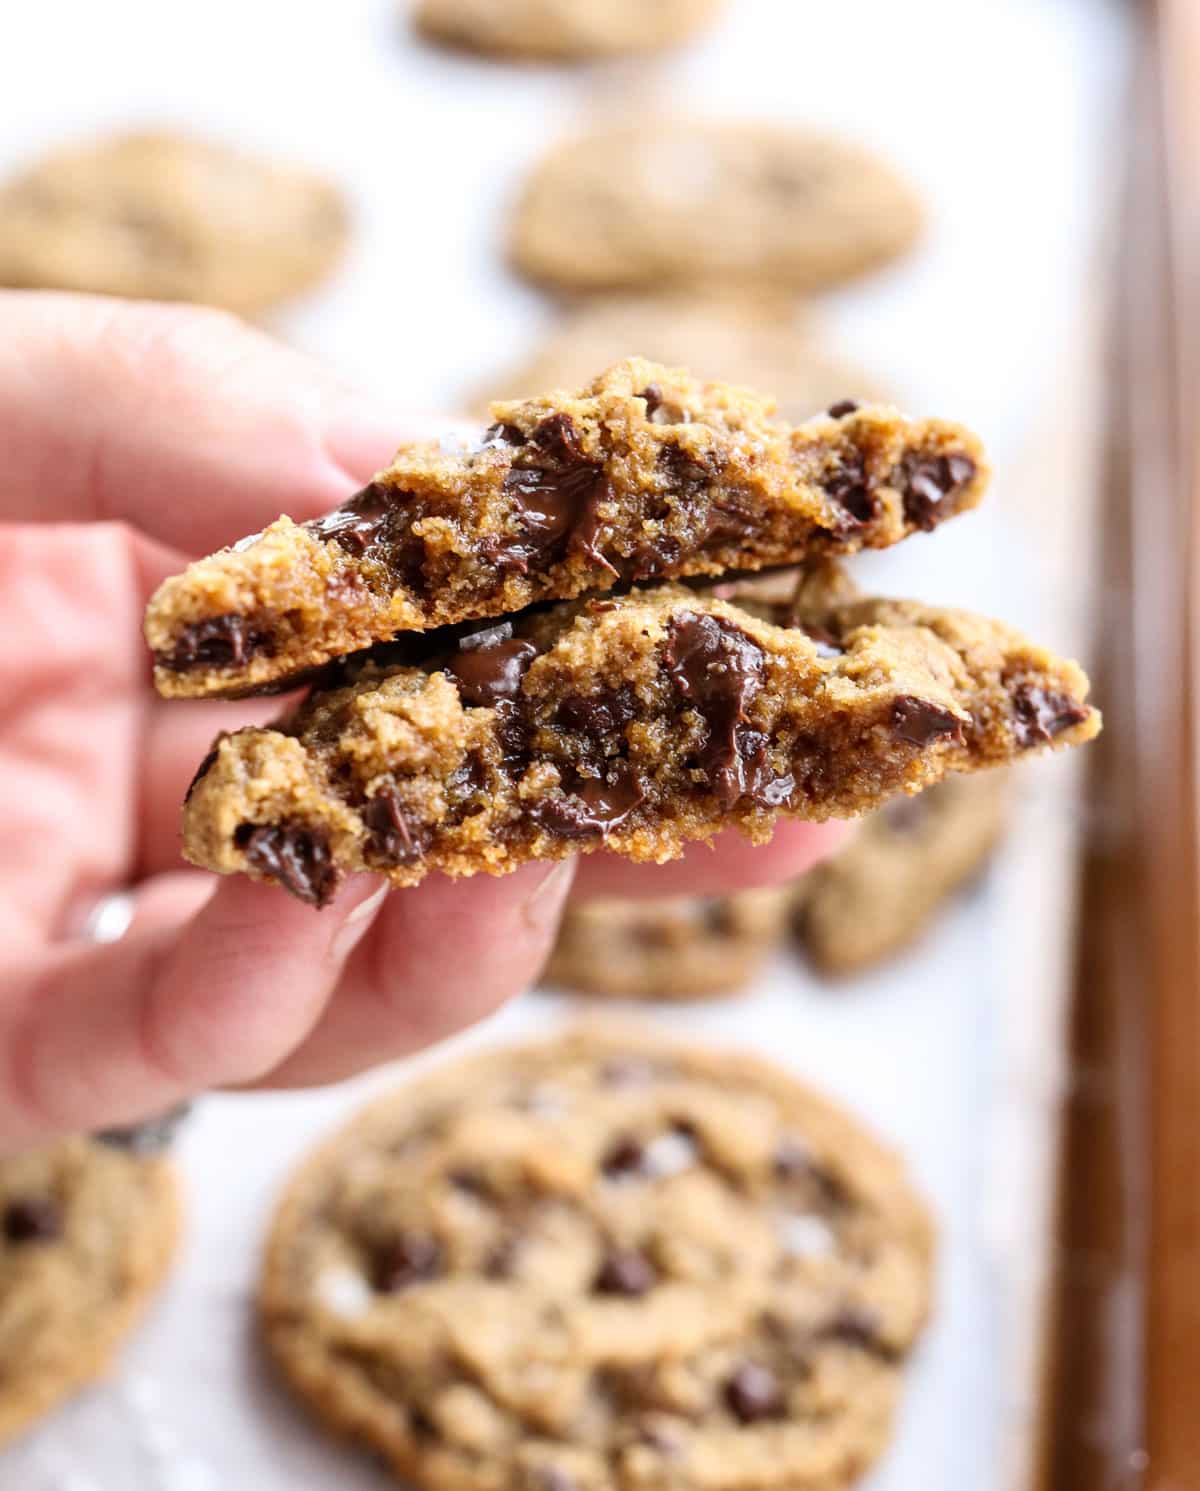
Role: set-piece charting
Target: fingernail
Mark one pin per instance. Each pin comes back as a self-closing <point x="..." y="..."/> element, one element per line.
<point x="544" y="903"/>
<point x="356" y="924"/>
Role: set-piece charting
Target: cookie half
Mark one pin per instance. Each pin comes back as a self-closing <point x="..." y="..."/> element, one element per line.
<point x="882" y="890"/>
<point x="562" y="30"/>
<point x="86" y="1235"/>
<point x="670" y="201"/>
<point x="755" y="341"/>
<point x="675" y="949"/>
<point x="635" y="724"/>
<point x="648" y="473"/>
<point x="602" y="1262"/>
<point x="158" y="216"/>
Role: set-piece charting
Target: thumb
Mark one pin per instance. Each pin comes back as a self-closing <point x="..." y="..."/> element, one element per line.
<point x="180" y="420"/>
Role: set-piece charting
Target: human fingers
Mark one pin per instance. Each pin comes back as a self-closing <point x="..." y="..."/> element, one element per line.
<point x="180" y="420"/>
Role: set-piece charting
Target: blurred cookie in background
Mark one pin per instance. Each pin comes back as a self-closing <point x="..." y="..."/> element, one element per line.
<point x="161" y="216"/>
<point x="86" y="1234"/>
<point x="667" y="201"/>
<point x="756" y="341"/>
<point x="673" y="949"/>
<point x="882" y="891"/>
<point x="602" y="1261"/>
<point x="562" y="30"/>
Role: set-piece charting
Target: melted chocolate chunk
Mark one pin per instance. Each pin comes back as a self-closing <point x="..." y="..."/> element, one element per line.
<point x="32" y="1219"/>
<point x="228" y="641"/>
<point x="849" y="489"/>
<point x="593" y="807"/>
<point x="717" y="669"/>
<point x="412" y="1259"/>
<point x="598" y="715"/>
<point x="753" y="1393"/>
<point x="927" y="481"/>
<point x="487" y="674"/>
<point x="627" y="1272"/>
<point x="920" y="721"/>
<point x="556" y="500"/>
<point x="842" y="408"/>
<point x="356" y="524"/>
<point x="201" y="772"/>
<point x="1039" y="715"/>
<point x="393" y="838"/>
<point x="728" y="522"/>
<point x="296" y="856"/>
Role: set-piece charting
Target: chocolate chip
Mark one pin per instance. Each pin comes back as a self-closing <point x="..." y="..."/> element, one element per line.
<point x="627" y="1272"/>
<point x="927" y="481"/>
<point x="554" y="500"/>
<point x="413" y="1258"/>
<point x="228" y="641"/>
<point x="296" y="856"/>
<point x="849" y="489"/>
<point x="753" y="1393"/>
<point x="728" y="522"/>
<point x="201" y="772"/>
<point x="842" y="408"/>
<point x="920" y="721"/>
<point x="1040" y="714"/>
<point x="501" y="434"/>
<point x="717" y="669"/>
<point x="592" y="807"/>
<point x="598" y="715"/>
<point x="393" y="838"/>
<point x="623" y="1159"/>
<point x="356" y="524"/>
<point x="854" y="1325"/>
<point x="658" y="411"/>
<point x="32" y="1219"/>
<point x="485" y="675"/>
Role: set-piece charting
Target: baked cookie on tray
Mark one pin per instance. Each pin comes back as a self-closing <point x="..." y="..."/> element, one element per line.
<point x="759" y="341"/>
<point x="882" y="890"/>
<point x="686" y="948"/>
<point x="633" y="723"/>
<point x="86" y="1234"/>
<point x="160" y="216"/>
<point x="647" y="473"/>
<point x="562" y="30"/>
<point x="666" y="201"/>
<point x="602" y="1262"/>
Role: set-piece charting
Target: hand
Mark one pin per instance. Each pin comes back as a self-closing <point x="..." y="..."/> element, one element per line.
<point x="133" y="438"/>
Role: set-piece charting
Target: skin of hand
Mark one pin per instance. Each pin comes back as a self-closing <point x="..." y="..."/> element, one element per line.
<point x="135" y="437"/>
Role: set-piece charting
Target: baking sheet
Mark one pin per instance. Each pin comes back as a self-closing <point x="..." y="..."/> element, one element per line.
<point x="1005" y="115"/>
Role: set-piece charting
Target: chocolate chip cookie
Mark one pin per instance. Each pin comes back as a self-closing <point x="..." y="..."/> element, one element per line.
<point x="562" y="30"/>
<point x="880" y="893"/>
<point x="676" y="949"/>
<point x="665" y="201"/>
<point x="635" y="724"/>
<point x="758" y="341"/>
<point x="166" y="217"/>
<point x="86" y="1234"/>
<point x="648" y="473"/>
<point x="599" y="1263"/>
